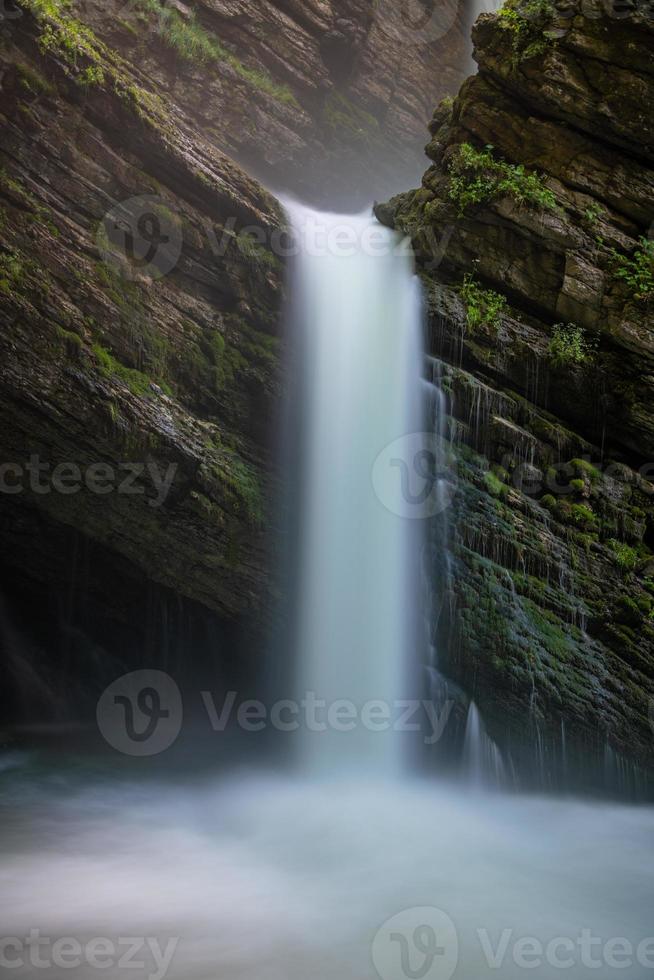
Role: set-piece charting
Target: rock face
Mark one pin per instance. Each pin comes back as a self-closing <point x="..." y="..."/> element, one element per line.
<point x="140" y="298"/>
<point x="531" y="229"/>
<point x="326" y="99"/>
<point x="139" y="348"/>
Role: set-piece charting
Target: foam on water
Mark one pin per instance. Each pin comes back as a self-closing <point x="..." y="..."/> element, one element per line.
<point x="265" y="878"/>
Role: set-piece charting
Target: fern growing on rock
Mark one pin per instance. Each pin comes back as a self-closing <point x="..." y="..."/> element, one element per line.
<point x="477" y="177"/>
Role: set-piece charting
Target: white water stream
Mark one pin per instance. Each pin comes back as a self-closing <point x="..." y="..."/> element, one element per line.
<point x="357" y="308"/>
<point x="266" y="877"/>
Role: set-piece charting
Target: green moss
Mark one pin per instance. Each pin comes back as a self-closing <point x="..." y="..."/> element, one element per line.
<point x="584" y="468"/>
<point x="19" y="274"/>
<point x="256" y="254"/>
<point x="577" y="485"/>
<point x="631" y="612"/>
<point x="76" y="46"/>
<point x="32" y="80"/>
<point x="527" y="21"/>
<point x="194" y="44"/>
<point x="345" y="120"/>
<point x="71" y="341"/>
<point x="569" y="346"/>
<point x="137" y="382"/>
<point x="549" y="502"/>
<point x="583" y="516"/>
<point x="494" y="486"/>
<point x="12" y="270"/>
<point x="477" y="177"/>
<point x="244" y="484"/>
<point x="484" y="307"/>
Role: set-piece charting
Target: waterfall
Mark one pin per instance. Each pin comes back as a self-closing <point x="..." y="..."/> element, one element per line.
<point x="357" y="313"/>
<point x="483" y="761"/>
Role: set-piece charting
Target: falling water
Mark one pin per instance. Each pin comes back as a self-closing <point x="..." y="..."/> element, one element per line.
<point x="250" y="875"/>
<point x="483" y="761"/>
<point x="358" y="314"/>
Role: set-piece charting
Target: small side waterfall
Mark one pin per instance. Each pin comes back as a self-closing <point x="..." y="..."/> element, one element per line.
<point x="357" y="311"/>
<point x="483" y="761"/>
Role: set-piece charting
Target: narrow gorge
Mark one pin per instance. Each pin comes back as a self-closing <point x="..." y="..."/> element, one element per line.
<point x="326" y="489"/>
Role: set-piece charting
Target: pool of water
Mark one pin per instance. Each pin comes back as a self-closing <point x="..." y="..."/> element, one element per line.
<point x="262" y="877"/>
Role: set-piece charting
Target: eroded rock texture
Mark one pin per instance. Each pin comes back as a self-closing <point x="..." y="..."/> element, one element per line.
<point x="326" y="99"/>
<point x="532" y="228"/>
<point x="108" y="362"/>
<point x="169" y="364"/>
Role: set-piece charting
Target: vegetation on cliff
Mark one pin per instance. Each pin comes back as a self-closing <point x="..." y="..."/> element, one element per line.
<point x="541" y="183"/>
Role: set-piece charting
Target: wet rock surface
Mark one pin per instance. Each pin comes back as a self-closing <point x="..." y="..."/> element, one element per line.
<point x="531" y="228"/>
<point x="327" y="100"/>
<point x="140" y="342"/>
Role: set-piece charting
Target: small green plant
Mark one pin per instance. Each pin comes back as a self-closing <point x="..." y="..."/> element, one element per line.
<point x="17" y="271"/>
<point x="68" y="39"/>
<point x="527" y="20"/>
<point x="583" y="516"/>
<point x="549" y="502"/>
<point x="494" y="486"/>
<point x="484" y="307"/>
<point x="93" y="75"/>
<point x="476" y="176"/>
<point x="577" y="485"/>
<point x="625" y="557"/>
<point x="569" y="346"/>
<point x="255" y="253"/>
<point x="593" y="213"/>
<point x="638" y="271"/>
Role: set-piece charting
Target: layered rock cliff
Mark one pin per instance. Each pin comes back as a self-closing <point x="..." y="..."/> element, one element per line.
<point x="140" y="297"/>
<point x="326" y="99"/>
<point x="531" y="228"/>
<point x="140" y="349"/>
